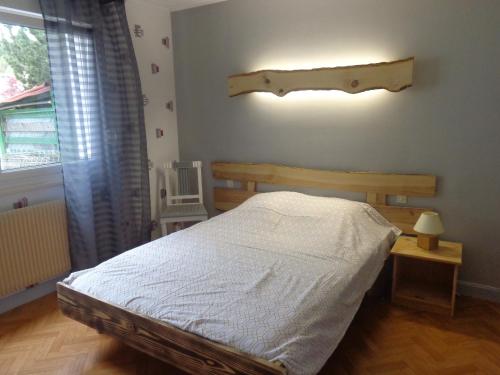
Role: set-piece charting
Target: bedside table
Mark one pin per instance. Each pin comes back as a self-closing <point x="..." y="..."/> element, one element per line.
<point x="425" y="279"/>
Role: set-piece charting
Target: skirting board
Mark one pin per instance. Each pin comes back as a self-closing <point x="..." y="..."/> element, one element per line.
<point x="11" y="302"/>
<point x="482" y="291"/>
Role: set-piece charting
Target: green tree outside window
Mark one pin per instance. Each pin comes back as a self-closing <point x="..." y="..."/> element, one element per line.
<point x="25" y="51"/>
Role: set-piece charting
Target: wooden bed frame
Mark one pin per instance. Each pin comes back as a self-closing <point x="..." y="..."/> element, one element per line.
<point x="376" y="186"/>
<point x="198" y="355"/>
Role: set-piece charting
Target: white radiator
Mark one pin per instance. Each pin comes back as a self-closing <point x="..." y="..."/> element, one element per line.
<point x="33" y="246"/>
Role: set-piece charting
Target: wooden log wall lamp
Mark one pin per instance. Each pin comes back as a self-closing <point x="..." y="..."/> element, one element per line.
<point x="392" y="76"/>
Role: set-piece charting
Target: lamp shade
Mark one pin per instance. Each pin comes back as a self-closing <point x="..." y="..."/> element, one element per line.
<point x="429" y="223"/>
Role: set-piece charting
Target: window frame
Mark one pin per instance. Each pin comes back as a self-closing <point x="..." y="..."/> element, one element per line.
<point x="33" y="178"/>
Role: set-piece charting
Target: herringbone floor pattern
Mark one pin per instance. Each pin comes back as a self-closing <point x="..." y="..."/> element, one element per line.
<point x="383" y="339"/>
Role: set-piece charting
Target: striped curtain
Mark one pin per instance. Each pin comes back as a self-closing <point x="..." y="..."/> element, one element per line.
<point x="101" y="129"/>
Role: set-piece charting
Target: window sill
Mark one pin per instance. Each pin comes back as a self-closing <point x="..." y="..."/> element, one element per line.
<point x="23" y="180"/>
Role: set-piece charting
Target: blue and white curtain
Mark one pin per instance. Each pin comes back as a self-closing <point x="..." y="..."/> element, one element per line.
<point x="100" y="118"/>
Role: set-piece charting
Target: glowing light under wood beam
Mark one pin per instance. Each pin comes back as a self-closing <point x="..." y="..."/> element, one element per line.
<point x="392" y="76"/>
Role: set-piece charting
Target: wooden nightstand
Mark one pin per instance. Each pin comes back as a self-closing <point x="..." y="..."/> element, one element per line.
<point x="425" y="279"/>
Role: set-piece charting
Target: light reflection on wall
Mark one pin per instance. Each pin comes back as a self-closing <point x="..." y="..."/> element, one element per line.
<point x="319" y="96"/>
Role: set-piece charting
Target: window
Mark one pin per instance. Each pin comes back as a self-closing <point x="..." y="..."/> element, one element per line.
<point x="28" y="127"/>
<point x="82" y="85"/>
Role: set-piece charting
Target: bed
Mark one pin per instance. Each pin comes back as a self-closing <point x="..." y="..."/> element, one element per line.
<point x="269" y="287"/>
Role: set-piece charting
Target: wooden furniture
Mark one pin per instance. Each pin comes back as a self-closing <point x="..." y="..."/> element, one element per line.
<point x="184" y="198"/>
<point x="198" y="355"/>
<point x="427" y="241"/>
<point x="376" y="186"/>
<point x="426" y="279"/>
<point x="393" y="76"/>
<point x="186" y="351"/>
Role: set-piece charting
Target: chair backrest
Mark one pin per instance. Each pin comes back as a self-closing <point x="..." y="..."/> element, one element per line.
<point x="183" y="182"/>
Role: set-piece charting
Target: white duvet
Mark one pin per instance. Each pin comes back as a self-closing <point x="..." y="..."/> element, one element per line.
<point x="279" y="277"/>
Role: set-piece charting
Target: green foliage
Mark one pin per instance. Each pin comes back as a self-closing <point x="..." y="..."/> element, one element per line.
<point x="27" y="57"/>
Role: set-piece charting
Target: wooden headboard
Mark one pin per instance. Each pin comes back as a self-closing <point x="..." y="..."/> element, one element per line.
<point x="377" y="186"/>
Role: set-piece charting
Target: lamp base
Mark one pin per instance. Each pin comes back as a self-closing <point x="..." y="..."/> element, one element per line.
<point x="427" y="241"/>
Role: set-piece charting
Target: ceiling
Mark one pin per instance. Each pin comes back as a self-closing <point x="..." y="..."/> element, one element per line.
<point x="185" y="4"/>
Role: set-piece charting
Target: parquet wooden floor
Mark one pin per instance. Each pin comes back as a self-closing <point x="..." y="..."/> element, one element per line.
<point x="383" y="339"/>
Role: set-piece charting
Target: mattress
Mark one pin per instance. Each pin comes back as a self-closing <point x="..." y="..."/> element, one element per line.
<point x="280" y="277"/>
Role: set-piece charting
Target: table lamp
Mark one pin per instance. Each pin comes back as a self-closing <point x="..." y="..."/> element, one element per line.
<point x="428" y="228"/>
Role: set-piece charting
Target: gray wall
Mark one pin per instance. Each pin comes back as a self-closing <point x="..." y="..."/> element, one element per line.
<point x="448" y="124"/>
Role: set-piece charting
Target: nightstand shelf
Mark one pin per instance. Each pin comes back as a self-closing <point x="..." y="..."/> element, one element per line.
<point x="425" y="279"/>
<point x="424" y="292"/>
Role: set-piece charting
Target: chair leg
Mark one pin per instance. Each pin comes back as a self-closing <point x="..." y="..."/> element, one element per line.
<point x="164" y="228"/>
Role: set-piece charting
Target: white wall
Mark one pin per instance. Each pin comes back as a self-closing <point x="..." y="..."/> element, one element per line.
<point x="38" y="185"/>
<point x="159" y="88"/>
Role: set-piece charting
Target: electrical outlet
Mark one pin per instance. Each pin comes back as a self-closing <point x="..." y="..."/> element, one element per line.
<point x="401" y="199"/>
<point x="230" y="183"/>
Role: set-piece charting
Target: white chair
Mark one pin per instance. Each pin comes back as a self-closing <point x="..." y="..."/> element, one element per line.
<point x="184" y="199"/>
